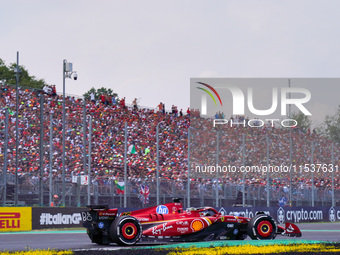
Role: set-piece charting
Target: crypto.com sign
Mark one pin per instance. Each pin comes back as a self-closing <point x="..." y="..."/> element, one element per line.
<point x="261" y="100"/>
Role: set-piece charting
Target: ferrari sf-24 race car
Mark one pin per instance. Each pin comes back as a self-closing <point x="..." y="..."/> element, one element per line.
<point x="169" y="222"/>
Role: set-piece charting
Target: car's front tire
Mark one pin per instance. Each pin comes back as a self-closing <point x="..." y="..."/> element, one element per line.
<point x="126" y="230"/>
<point x="262" y="227"/>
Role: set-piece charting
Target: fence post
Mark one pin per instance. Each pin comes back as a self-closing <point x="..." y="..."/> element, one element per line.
<point x="89" y="171"/>
<point x="244" y="173"/>
<point x="96" y="190"/>
<point x="312" y="162"/>
<point x="268" y="196"/>
<point x="290" y="167"/>
<point x="78" y="189"/>
<point x="51" y="158"/>
<point x="4" y="199"/>
<point x="41" y="185"/>
<point x="333" y="202"/>
<point x="189" y="180"/>
<point x="217" y="163"/>
<point x="84" y="136"/>
<point x="125" y="166"/>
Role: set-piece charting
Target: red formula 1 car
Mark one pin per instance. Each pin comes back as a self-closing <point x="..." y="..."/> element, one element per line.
<point x="168" y="222"/>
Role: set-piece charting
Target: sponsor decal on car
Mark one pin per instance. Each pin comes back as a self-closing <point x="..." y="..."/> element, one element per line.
<point x="238" y="219"/>
<point x="290" y="229"/>
<point x="106" y="214"/>
<point x="162" y="209"/>
<point x="143" y="219"/>
<point x="182" y="223"/>
<point x="158" y="231"/>
<point x="197" y="225"/>
<point x="232" y="220"/>
<point x="101" y="224"/>
<point x="125" y="214"/>
<point x="183" y="230"/>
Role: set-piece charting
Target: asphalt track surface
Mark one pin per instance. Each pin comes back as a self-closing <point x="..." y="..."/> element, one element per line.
<point x="78" y="239"/>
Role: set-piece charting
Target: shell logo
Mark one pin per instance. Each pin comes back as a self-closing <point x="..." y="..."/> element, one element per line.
<point x="197" y="225"/>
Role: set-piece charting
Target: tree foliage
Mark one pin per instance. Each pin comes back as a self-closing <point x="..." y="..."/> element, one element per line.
<point x="8" y="75"/>
<point x="303" y="121"/>
<point x="332" y="124"/>
<point x="100" y="91"/>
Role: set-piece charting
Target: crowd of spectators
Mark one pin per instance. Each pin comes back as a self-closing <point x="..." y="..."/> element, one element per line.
<point x="108" y="134"/>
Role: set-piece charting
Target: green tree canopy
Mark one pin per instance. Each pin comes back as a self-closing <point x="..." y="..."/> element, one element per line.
<point x="8" y="74"/>
<point x="303" y="121"/>
<point x="98" y="92"/>
<point x="332" y="126"/>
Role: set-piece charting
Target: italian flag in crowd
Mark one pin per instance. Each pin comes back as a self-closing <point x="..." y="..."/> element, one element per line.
<point x="120" y="187"/>
<point x="132" y="149"/>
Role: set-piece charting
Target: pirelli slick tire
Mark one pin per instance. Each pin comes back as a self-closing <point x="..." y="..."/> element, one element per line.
<point x="126" y="230"/>
<point x="262" y="227"/>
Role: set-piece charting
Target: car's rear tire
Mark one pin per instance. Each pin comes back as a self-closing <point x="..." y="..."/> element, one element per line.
<point x="262" y="227"/>
<point x="126" y="230"/>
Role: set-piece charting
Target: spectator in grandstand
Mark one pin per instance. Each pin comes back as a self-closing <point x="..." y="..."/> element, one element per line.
<point x="93" y="99"/>
<point x="102" y="99"/>
<point x="122" y="103"/>
<point x="134" y="103"/>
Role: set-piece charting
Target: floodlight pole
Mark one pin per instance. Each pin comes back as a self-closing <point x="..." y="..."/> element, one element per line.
<point x="67" y="72"/>
<point x="63" y="155"/>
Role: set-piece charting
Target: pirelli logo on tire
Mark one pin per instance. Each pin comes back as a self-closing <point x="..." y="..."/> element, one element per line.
<point x="15" y="219"/>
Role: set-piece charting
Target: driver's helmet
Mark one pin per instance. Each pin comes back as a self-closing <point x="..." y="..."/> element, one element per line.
<point x="204" y="214"/>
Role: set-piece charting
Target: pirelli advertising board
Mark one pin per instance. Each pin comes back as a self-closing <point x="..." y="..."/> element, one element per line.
<point x="15" y="219"/>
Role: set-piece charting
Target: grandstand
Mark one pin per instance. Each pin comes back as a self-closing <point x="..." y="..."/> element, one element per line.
<point x="107" y="155"/>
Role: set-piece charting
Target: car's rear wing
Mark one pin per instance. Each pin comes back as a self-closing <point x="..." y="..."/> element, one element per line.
<point x="99" y="213"/>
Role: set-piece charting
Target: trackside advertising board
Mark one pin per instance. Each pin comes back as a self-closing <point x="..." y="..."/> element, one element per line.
<point x="15" y="219"/>
<point x="54" y="217"/>
<point x="288" y="214"/>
